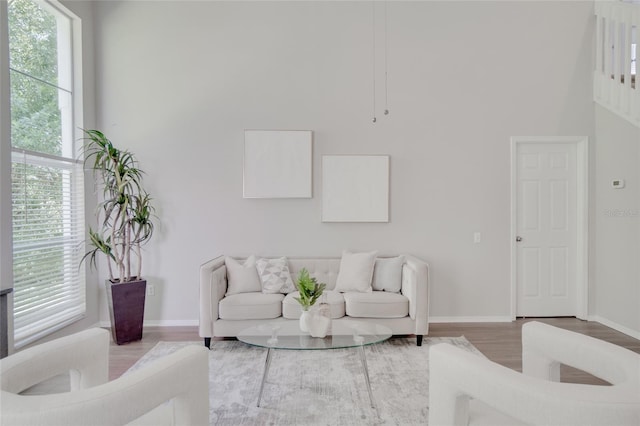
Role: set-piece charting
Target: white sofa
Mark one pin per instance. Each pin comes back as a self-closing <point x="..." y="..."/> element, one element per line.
<point x="405" y="312"/>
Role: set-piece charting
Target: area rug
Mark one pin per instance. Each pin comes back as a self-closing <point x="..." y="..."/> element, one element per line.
<point x="317" y="387"/>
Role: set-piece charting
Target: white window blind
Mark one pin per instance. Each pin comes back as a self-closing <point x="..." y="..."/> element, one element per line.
<point x="46" y="171"/>
<point x="48" y="233"/>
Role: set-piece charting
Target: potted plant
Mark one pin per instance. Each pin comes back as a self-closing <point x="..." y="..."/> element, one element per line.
<point x="310" y="291"/>
<point x="124" y="225"/>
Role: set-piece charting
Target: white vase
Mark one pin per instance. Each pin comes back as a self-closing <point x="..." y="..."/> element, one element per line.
<point x="305" y="320"/>
<point x="319" y="326"/>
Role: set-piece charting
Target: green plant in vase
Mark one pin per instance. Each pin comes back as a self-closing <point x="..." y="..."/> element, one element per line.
<point x="125" y="223"/>
<point x="309" y="288"/>
<point x="310" y="291"/>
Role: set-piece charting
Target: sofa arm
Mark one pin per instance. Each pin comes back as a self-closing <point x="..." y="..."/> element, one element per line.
<point x="213" y="286"/>
<point x="415" y="286"/>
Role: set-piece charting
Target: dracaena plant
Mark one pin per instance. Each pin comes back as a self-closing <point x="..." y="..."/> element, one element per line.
<point x="125" y="213"/>
<point x="309" y="288"/>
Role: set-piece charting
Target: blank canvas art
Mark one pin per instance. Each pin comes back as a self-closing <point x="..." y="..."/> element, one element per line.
<point x="355" y="188"/>
<point x="277" y="164"/>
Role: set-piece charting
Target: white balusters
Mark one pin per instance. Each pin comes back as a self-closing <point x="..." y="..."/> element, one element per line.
<point x="616" y="84"/>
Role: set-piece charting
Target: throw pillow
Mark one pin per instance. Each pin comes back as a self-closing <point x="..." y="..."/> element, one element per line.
<point x="356" y="270"/>
<point x="242" y="277"/>
<point x="387" y="274"/>
<point x="274" y="275"/>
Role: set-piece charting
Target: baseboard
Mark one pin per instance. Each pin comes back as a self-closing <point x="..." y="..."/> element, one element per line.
<point x="469" y="319"/>
<point x="161" y="323"/>
<point x="611" y="324"/>
<point x="171" y="323"/>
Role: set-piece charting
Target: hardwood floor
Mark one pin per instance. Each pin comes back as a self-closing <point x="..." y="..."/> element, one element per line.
<point x="500" y="342"/>
<point x="122" y="357"/>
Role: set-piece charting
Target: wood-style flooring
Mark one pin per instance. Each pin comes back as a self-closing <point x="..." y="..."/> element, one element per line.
<point x="500" y="342"/>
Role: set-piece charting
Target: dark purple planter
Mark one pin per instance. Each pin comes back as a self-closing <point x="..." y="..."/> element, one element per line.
<point x="126" y="309"/>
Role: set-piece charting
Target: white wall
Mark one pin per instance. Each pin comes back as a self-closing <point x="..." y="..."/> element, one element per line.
<point x="178" y="82"/>
<point x="617" y="216"/>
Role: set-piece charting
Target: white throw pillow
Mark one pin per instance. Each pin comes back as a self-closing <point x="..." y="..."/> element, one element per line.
<point x="387" y="274"/>
<point x="242" y="277"/>
<point x="356" y="270"/>
<point x="274" y="275"/>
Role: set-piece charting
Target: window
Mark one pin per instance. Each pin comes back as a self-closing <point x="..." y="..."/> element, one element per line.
<point x="46" y="170"/>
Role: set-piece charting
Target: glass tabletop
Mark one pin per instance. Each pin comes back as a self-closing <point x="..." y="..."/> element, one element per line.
<point x="287" y="335"/>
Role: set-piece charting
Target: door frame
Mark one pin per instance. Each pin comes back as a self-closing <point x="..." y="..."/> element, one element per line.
<point x="582" y="212"/>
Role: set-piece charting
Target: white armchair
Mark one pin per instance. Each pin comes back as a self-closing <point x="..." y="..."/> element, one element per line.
<point x="172" y="390"/>
<point x="465" y="389"/>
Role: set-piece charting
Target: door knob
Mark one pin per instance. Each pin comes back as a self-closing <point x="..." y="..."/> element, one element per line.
<point x="518" y="239"/>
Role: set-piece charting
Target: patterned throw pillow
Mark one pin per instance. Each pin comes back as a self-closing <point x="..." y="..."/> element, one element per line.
<point x="274" y="275"/>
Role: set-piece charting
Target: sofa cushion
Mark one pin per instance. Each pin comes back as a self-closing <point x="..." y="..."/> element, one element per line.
<point x="246" y="306"/>
<point x="356" y="270"/>
<point x="274" y="275"/>
<point x="291" y="309"/>
<point x="387" y="274"/>
<point x="377" y="304"/>
<point x="242" y="277"/>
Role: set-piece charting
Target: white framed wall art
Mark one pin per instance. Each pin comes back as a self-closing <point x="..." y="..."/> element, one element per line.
<point x="277" y="164"/>
<point x="355" y="188"/>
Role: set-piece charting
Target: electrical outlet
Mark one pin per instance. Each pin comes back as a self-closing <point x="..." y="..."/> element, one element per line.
<point x="151" y="290"/>
<point x="476" y="237"/>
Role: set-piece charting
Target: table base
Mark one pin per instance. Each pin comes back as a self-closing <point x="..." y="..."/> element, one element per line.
<point x="365" y="370"/>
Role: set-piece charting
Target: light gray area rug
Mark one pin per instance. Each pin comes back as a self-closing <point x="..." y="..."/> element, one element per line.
<point x="324" y="387"/>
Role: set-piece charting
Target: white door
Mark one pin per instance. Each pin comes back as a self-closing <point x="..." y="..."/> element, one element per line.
<point x="546" y="234"/>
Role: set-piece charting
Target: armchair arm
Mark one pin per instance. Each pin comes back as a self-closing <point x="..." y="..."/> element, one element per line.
<point x="213" y="286"/>
<point x="545" y="347"/>
<point x="181" y="377"/>
<point x="456" y="376"/>
<point x="85" y="355"/>
<point x="415" y="286"/>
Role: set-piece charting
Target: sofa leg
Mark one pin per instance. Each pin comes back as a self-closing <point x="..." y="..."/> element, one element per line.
<point x="207" y="342"/>
<point x="419" y="339"/>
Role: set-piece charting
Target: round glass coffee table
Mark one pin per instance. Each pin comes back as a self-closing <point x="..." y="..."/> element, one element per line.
<point x="286" y="335"/>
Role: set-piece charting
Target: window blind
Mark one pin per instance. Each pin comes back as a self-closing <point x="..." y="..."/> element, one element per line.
<point x="48" y="244"/>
